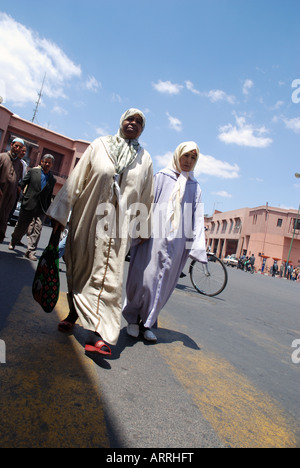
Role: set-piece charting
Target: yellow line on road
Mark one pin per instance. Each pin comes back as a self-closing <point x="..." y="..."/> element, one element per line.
<point x="48" y="391"/>
<point x="241" y="415"/>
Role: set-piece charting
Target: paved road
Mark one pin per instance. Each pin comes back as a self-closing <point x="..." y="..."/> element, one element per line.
<point x="221" y="374"/>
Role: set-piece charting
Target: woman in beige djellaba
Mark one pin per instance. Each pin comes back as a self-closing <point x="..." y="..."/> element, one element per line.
<point x="109" y="193"/>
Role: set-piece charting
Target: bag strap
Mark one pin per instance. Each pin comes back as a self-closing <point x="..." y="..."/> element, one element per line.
<point x="55" y="237"/>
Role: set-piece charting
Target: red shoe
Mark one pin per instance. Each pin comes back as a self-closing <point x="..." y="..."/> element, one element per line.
<point x="97" y="348"/>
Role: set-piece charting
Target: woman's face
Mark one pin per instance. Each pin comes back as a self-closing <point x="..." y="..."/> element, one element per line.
<point x="132" y="127"/>
<point x="188" y="161"/>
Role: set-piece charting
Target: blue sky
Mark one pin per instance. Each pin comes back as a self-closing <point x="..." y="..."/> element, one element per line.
<point x="224" y="73"/>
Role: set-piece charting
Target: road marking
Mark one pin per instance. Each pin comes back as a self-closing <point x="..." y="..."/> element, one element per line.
<point x="48" y="387"/>
<point x="241" y="415"/>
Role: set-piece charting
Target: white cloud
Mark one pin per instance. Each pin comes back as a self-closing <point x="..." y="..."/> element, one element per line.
<point x="174" y="123"/>
<point x="207" y="165"/>
<point x="25" y="58"/>
<point x="248" y="84"/>
<point x="116" y="98"/>
<point x="167" y="87"/>
<point x="216" y="95"/>
<point x="244" y="134"/>
<point x="2" y="90"/>
<point x="164" y="160"/>
<point x="101" y="131"/>
<point x="59" y="110"/>
<point x="256" y="179"/>
<point x="222" y="193"/>
<point x="278" y="105"/>
<point x="92" y="84"/>
<point x="293" y="124"/>
<point x="189" y="85"/>
<point x="215" y="167"/>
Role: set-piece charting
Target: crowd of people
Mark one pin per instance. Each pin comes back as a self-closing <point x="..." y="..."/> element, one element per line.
<point x="108" y="203"/>
<point x="289" y="272"/>
<point x="246" y="263"/>
<point x="292" y="273"/>
<point x="34" y="187"/>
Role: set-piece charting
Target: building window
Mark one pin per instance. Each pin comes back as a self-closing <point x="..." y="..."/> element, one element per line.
<point x="279" y="222"/>
<point x="238" y="226"/>
<point x="224" y="226"/>
<point x="254" y="219"/>
<point x="296" y="224"/>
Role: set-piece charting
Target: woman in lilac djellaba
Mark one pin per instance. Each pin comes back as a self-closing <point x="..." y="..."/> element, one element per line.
<point x="177" y="233"/>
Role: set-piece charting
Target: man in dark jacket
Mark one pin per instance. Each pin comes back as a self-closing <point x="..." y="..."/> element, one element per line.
<point x="37" y="186"/>
<point x="11" y="172"/>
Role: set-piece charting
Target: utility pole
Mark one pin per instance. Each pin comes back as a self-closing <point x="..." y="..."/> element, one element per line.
<point x="39" y="100"/>
<point x="295" y="227"/>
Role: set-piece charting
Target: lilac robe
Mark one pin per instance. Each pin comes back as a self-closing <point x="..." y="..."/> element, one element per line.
<point x="156" y="265"/>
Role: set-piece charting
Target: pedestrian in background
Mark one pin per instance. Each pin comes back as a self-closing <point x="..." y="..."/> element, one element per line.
<point x="113" y="175"/>
<point x="289" y="271"/>
<point x="178" y="232"/>
<point x="281" y="271"/>
<point x="21" y="156"/>
<point x="252" y="261"/>
<point x="38" y="185"/>
<point x="275" y="268"/>
<point x="11" y="173"/>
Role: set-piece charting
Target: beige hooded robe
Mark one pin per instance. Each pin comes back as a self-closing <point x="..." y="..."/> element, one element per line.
<point x="98" y="239"/>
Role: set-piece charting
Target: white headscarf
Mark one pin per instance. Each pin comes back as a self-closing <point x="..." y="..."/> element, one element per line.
<point x="175" y="200"/>
<point x="122" y="151"/>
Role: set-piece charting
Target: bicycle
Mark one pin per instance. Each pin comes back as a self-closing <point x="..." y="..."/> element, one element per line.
<point x="210" y="278"/>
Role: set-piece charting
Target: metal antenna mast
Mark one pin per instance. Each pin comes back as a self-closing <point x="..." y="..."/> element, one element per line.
<point x="39" y="100"/>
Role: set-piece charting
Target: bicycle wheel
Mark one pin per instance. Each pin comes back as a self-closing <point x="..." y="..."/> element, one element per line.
<point x="209" y="278"/>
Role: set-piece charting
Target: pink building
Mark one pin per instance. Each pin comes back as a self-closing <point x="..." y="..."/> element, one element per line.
<point x="40" y="141"/>
<point x="265" y="231"/>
